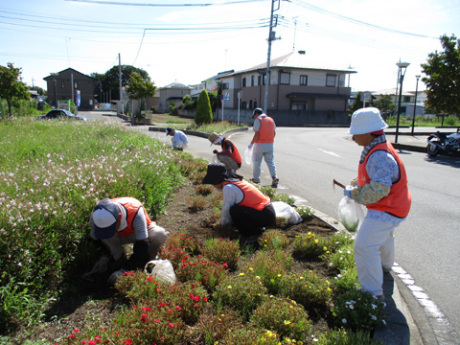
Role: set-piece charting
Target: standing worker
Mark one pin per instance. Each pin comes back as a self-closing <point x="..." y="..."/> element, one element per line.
<point x="382" y="187"/>
<point x="179" y="140"/>
<point x="229" y="156"/>
<point x="243" y="204"/>
<point x="120" y="221"/>
<point x="264" y="137"/>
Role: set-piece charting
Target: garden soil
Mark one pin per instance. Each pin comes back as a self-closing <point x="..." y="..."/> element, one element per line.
<point x="95" y="301"/>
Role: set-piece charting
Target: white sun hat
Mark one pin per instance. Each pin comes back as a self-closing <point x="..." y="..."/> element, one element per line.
<point x="366" y="120"/>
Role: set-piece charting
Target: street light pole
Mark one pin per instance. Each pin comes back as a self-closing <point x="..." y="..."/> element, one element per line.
<point x="415" y="104"/>
<point x="402" y="66"/>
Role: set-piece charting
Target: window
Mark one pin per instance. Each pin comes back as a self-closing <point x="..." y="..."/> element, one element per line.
<point x="285" y="78"/>
<point x="252" y="80"/>
<point x="299" y="106"/>
<point x="244" y="82"/>
<point x="264" y="78"/>
<point x="331" y="79"/>
<point x="407" y="99"/>
<point x="243" y="105"/>
<point x="75" y="85"/>
<point x="225" y="86"/>
<point x="304" y="80"/>
<point x="258" y="80"/>
<point x="250" y="105"/>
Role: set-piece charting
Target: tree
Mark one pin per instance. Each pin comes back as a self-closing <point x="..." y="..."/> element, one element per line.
<point x="385" y="104"/>
<point x="11" y="86"/>
<point x="203" y="109"/>
<point x="442" y="79"/>
<point x="111" y="80"/>
<point x="357" y="104"/>
<point x="188" y="102"/>
<point x="139" y="88"/>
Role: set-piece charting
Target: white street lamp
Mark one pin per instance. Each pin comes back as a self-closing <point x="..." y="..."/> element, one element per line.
<point x="402" y="66"/>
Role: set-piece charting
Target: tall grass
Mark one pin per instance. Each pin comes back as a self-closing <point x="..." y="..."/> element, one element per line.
<point x="52" y="174"/>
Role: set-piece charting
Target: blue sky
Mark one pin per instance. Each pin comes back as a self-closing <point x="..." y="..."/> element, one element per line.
<point x="188" y="43"/>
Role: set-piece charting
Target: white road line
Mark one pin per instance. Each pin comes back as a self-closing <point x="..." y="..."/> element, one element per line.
<point x="329" y="152"/>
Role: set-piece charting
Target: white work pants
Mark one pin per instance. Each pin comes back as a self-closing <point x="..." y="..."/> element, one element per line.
<point x="374" y="250"/>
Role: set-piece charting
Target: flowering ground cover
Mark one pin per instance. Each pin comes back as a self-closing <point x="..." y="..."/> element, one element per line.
<point x="298" y="287"/>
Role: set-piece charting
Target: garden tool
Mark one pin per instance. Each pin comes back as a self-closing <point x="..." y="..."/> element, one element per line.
<point x="334" y="182"/>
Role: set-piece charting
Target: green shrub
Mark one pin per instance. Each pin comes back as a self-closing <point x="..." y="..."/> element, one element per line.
<point x="222" y="250"/>
<point x="356" y="309"/>
<point x="240" y="292"/>
<point x="203" y="109"/>
<point x="284" y="317"/>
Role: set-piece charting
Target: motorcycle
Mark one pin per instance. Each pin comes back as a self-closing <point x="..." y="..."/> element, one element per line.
<point x="442" y="143"/>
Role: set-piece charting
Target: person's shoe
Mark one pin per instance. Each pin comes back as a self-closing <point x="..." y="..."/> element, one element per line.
<point x="275" y="181"/>
<point x="254" y="181"/>
<point x="250" y="242"/>
<point x="386" y="269"/>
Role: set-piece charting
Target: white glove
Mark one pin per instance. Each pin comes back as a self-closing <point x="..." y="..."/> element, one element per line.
<point x="115" y="275"/>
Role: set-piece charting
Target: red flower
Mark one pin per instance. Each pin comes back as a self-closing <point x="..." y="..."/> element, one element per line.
<point x="91" y="342"/>
<point x="178" y="308"/>
<point x="128" y="342"/>
<point x="72" y="336"/>
<point x="157" y="320"/>
<point x="162" y="304"/>
<point x="146" y="308"/>
<point x="205" y="299"/>
<point x="170" y="324"/>
<point x="76" y="330"/>
<point x="83" y="341"/>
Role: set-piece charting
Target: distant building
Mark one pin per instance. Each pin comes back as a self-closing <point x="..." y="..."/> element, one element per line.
<point x="172" y="93"/>
<point x="407" y="100"/>
<point x="70" y="84"/>
<point x="299" y="93"/>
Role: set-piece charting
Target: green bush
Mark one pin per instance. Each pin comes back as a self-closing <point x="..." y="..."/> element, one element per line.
<point x="203" y="113"/>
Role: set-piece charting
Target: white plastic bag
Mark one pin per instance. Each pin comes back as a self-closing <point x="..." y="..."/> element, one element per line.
<point x="351" y="214"/>
<point x="248" y="155"/>
<point x="287" y="212"/>
<point x="162" y="269"/>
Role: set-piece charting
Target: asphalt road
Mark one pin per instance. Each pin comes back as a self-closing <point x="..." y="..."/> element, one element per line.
<point x="427" y="243"/>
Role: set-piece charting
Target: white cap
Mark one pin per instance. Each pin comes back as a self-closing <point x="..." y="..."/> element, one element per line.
<point x="366" y="120"/>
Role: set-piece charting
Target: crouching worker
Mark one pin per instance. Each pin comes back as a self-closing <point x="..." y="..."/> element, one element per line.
<point x="243" y="204"/>
<point x="179" y="140"/>
<point x="120" y="221"/>
<point x="230" y="156"/>
<point x="382" y="187"/>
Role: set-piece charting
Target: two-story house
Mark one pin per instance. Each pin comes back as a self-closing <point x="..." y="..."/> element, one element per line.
<point x="70" y="84"/>
<point x="299" y="94"/>
<point x="172" y="93"/>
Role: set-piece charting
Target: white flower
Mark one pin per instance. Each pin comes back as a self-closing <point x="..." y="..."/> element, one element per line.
<point x="373" y="306"/>
<point x="344" y="321"/>
<point x="373" y="317"/>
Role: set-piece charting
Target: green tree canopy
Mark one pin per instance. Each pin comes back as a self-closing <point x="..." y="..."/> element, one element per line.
<point x="385" y="103"/>
<point x="11" y="86"/>
<point x="111" y="81"/>
<point x="139" y="88"/>
<point x="203" y="109"/>
<point x="442" y="79"/>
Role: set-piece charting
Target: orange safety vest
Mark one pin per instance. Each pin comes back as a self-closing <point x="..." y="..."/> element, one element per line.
<point x="252" y="197"/>
<point x="132" y="207"/>
<point x="267" y="130"/>
<point x="235" y="153"/>
<point x="398" y="202"/>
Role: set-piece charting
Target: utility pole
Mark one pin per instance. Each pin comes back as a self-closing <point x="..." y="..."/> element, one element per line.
<point x="271" y="37"/>
<point x="120" y="85"/>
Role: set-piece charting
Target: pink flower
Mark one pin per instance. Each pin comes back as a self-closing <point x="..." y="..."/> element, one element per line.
<point x="146" y="308"/>
<point x="178" y="308"/>
<point x="76" y="330"/>
<point x="170" y="324"/>
<point x="157" y="320"/>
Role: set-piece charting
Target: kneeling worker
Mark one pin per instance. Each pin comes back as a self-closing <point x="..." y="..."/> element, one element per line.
<point x="121" y="221"/>
<point x="230" y="156"/>
<point x="179" y="140"/>
<point x="243" y="204"/>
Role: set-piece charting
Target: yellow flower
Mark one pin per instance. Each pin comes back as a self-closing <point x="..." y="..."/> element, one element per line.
<point x="229" y="287"/>
<point x="316" y="241"/>
<point x="251" y="269"/>
<point x="279" y="275"/>
<point x="324" y="248"/>
<point x="287" y="322"/>
<point x="222" y="315"/>
<point x="242" y="274"/>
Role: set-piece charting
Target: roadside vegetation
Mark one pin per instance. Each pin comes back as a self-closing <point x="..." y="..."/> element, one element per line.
<point x="300" y="290"/>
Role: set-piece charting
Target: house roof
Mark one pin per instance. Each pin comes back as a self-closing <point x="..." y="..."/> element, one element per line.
<point x="64" y="70"/>
<point x="176" y="85"/>
<point x="303" y="95"/>
<point x="294" y="60"/>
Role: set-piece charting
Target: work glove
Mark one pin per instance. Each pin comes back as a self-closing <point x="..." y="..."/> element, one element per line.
<point x="250" y="146"/>
<point x="348" y="191"/>
<point x="115" y="275"/>
<point x="215" y="151"/>
<point x="99" y="267"/>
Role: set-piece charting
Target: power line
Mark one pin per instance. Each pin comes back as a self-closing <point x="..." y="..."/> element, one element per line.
<point x="165" y="5"/>
<point x="355" y="21"/>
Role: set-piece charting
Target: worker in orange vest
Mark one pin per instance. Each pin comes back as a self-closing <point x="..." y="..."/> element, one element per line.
<point x="244" y="205"/>
<point x="263" y="140"/>
<point x="119" y="221"/>
<point x="381" y="186"/>
<point x="229" y="155"/>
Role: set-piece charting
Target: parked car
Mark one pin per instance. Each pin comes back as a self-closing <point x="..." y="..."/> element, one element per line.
<point x="61" y="114"/>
